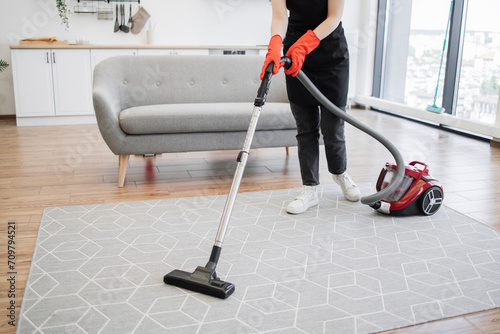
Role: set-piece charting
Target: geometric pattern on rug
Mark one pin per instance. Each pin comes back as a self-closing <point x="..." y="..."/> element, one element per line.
<point x="341" y="267"/>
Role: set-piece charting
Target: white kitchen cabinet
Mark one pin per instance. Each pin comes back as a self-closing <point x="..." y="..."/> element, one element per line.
<point x="99" y="55"/>
<point x="52" y="82"/>
<point x="72" y="82"/>
<point x="169" y="52"/>
<point x="33" y="87"/>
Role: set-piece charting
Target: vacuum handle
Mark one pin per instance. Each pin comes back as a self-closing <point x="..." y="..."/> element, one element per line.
<point x="422" y="171"/>
<point x="287" y="61"/>
<point x="260" y="100"/>
<point x="413" y="163"/>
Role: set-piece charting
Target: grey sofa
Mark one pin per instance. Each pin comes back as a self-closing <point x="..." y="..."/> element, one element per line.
<point x="162" y="104"/>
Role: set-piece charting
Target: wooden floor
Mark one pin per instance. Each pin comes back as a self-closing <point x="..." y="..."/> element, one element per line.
<point x="70" y="165"/>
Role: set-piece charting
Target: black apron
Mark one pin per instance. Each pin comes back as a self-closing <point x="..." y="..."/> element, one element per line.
<point x="328" y="65"/>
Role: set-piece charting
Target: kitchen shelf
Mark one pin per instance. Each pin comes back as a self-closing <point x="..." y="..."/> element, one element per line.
<point x="84" y="9"/>
<point x="109" y="1"/>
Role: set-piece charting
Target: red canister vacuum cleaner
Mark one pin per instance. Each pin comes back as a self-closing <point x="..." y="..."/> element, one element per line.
<point x="418" y="192"/>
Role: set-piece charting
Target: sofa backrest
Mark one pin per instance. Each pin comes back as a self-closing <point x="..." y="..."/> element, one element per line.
<point x="148" y="80"/>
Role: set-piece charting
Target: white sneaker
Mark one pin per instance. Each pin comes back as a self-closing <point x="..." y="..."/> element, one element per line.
<point x="307" y="199"/>
<point x="349" y="188"/>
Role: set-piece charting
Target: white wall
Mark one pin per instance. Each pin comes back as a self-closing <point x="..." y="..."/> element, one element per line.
<point x="186" y="22"/>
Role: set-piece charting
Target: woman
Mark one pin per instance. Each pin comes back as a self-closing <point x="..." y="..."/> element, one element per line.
<point x="314" y="40"/>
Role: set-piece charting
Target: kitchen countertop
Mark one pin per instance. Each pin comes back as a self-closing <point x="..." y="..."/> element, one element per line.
<point x="138" y="46"/>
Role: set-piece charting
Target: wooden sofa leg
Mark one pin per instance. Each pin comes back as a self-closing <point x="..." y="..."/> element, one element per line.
<point x="123" y="164"/>
<point x="287" y="150"/>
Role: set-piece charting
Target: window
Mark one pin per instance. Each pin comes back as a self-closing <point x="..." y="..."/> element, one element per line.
<point x="414" y="48"/>
<point x="440" y="53"/>
<point x="479" y="81"/>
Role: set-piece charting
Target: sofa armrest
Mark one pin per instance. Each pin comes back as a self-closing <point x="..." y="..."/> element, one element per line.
<point x="107" y="111"/>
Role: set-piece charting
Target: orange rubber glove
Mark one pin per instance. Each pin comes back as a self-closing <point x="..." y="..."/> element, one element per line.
<point x="298" y="51"/>
<point x="273" y="55"/>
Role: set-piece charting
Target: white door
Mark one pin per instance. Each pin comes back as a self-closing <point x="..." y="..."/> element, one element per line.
<point x="72" y="82"/>
<point x="32" y="73"/>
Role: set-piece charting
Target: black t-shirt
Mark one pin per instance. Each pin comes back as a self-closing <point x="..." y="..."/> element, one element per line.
<point x="306" y="14"/>
<point x="327" y="65"/>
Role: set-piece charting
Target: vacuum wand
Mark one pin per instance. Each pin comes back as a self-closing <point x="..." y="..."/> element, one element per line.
<point x="242" y="158"/>
<point x="204" y="279"/>
<point x="374" y="199"/>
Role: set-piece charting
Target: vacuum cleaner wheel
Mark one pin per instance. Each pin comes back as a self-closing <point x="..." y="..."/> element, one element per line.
<point x="431" y="200"/>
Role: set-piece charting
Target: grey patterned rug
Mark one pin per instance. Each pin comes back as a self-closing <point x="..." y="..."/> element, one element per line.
<point x="340" y="268"/>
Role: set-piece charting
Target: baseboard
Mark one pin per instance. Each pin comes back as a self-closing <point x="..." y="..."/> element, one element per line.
<point x="458" y="131"/>
<point x="57" y="120"/>
<point x="457" y="124"/>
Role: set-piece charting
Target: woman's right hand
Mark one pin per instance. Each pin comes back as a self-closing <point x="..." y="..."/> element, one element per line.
<point x="273" y="55"/>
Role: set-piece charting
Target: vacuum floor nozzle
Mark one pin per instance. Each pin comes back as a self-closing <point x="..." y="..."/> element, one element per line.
<point x="203" y="280"/>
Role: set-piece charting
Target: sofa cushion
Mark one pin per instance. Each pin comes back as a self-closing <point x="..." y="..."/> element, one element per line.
<point x="203" y="117"/>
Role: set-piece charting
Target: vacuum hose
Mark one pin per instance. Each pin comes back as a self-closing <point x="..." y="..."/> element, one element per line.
<point x="374" y="199"/>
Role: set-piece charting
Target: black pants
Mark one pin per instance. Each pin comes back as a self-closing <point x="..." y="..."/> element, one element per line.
<point x="328" y="68"/>
<point x="312" y="120"/>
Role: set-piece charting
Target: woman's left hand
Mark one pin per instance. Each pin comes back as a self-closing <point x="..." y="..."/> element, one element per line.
<point x="298" y="51"/>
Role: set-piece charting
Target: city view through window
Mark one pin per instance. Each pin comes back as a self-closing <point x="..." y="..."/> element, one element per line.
<point x="479" y="71"/>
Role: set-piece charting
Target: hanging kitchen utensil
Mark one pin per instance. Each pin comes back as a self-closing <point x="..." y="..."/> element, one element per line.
<point x="117" y="25"/>
<point x="130" y="21"/>
<point x="140" y="18"/>
<point x="123" y="26"/>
